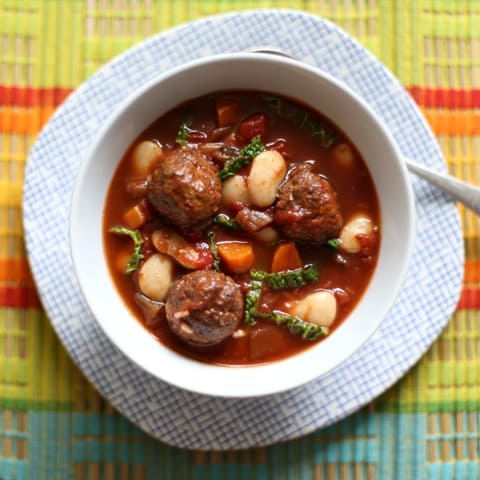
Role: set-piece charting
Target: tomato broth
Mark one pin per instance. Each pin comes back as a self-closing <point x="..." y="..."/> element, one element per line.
<point x="221" y="125"/>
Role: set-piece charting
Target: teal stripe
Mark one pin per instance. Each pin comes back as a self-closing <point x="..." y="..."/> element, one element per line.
<point x="200" y="472"/>
<point x="49" y="447"/>
<point x="461" y="470"/>
<point x="352" y="440"/>
<point x="12" y="469"/>
<point x="394" y="445"/>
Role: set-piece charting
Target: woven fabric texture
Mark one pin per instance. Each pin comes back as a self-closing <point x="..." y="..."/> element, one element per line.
<point x="54" y="425"/>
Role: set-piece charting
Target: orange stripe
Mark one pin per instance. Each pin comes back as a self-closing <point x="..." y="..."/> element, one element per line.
<point x="30" y="120"/>
<point x="446" y="122"/>
<point x="15" y="270"/>
<point x="24" y="120"/>
<point x="472" y="271"/>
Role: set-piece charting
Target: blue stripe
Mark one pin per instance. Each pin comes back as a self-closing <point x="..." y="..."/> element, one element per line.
<point x="12" y="469"/>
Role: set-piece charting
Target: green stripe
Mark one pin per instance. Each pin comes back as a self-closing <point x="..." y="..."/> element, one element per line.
<point x="23" y="404"/>
<point x="460" y="26"/>
<point x="452" y="6"/>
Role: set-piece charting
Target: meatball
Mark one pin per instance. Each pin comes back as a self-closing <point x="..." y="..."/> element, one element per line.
<point x="307" y="208"/>
<point x="185" y="188"/>
<point x="204" y="307"/>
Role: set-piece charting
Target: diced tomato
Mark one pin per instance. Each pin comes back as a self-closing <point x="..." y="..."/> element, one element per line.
<point x="342" y="296"/>
<point x="194" y="256"/>
<point x="368" y="243"/>
<point x="147" y="247"/>
<point x="253" y="126"/>
<point x="197" y="136"/>
<point x="279" y="146"/>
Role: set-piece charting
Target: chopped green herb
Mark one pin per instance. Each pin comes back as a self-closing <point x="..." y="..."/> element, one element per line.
<point x="244" y="158"/>
<point x="252" y="297"/>
<point x="319" y="130"/>
<point x="213" y="249"/>
<point x="183" y="132"/>
<point x="137" y="255"/>
<point x="292" y="278"/>
<point x="225" y="221"/>
<point x="334" y="243"/>
<point x="297" y="326"/>
<point x="274" y="103"/>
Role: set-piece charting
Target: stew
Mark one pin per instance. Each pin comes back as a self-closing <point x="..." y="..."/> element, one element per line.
<point x="241" y="228"/>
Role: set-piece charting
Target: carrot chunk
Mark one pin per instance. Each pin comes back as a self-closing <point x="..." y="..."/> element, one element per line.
<point x="236" y="257"/>
<point x="135" y="216"/>
<point x="286" y="257"/>
<point x="227" y="112"/>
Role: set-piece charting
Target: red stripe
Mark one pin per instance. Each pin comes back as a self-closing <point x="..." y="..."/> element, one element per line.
<point x="450" y="98"/>
<point x="32" y="97"/>
<point x="19" y="297"/>
<point x="469" y="299"/>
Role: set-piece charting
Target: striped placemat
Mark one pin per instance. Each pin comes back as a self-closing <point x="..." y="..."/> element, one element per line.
<point x="53" y="424"/>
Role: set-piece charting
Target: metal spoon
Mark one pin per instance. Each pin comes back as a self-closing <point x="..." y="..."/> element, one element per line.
<point x="457" y="189"/>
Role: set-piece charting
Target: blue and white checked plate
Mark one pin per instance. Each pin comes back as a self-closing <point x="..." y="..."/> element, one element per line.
<point x="186" y="419"/>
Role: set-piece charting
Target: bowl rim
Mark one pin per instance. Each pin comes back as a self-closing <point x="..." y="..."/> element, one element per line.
<point x="257" y="389"/>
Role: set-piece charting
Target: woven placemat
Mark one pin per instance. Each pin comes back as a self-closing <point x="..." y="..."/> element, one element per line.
<point x="53" y="424"/>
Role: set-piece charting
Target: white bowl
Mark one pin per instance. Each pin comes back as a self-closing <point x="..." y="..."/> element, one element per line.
<point x="252" y="71"/>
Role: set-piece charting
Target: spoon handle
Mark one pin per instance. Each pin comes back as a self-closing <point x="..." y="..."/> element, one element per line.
<point x="461" y="191"/>
<point x="468" y="194"/>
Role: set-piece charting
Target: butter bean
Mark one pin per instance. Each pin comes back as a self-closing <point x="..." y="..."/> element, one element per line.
<point x="266" y="173"/>
<point x="358" y="225"/>
<point x="145" y="155"/>
<point x="319" y="308"/>
<point x="234" y="190"/>
<point x="344" y="155"/>
<point x="156" y="276"/>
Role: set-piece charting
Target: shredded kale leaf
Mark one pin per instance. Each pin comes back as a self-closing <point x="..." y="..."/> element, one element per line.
<point x="213" y="249"/>
<point x="274" y="103"/>
<point x="137" y="255"/>
<point x="300" y="118"/>
<point x="292" y="278"/>
<point x="225" y="221"/>
<point x="296" y="326"/>
<point x="183" y="132"/>
<point x="278" y="280"/>
<point x="244" y="158"/>
<point x="334" y="243"/>
<point x="252" y="297"/>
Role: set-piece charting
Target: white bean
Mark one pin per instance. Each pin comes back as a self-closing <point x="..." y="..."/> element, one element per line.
<point x="234" y="189"/>
<point x="267" y="235"/>
<point x="266" y="173"/>
<point x="156" y="276"/>
<point x="343" y="154"/>
<point x="145" y="155"/>
<point x="358" y="225"/>
<point x="319" y="308"/>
